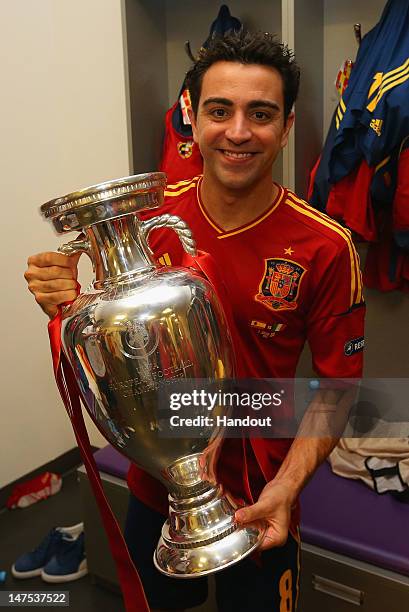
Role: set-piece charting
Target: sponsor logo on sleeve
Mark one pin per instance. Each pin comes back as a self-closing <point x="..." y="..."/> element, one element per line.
<point x="354" y="346"/>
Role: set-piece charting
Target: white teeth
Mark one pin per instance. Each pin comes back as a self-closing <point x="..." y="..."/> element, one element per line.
<point x="237" y="155"/>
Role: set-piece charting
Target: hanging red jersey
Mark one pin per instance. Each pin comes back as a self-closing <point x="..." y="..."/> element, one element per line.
<point x="181" y="157"/>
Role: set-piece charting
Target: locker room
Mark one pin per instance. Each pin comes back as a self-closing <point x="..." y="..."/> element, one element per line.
<point x="87" y="85"/>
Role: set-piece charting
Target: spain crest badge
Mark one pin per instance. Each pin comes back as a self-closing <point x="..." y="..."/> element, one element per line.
<point x="280" y="285"/>
<point x="185" y="149"/>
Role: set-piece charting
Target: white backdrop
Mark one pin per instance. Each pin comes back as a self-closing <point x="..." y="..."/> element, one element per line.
<point x="63" y="126"/>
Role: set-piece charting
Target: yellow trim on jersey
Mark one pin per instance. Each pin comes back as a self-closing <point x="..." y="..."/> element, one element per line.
<point x="223" y="234"/>
<point x="250" y="225"/>
<point x="390" y="79"/>
<point x="203" y="210"/>
<point x="381" y="79"/>
<point x="371" y="107"/>
<point x="180" y="184"/>
<point x="402" y="144"/>
<point x="382" y="163"/>
<point x="173" y="194"/>
<point x="385" y="161"/>
<point x="377" y="81"/>
<point x="356" y="286"/>
<point x="347" y="236"/>
<point x="347" y="233"/>
<point x="339" y="113"/>
<point x="338" y="118"/>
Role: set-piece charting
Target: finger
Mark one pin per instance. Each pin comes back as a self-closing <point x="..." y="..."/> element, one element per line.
<point x="257" y="511"/>
<point x="48" y="273"/>
<point x="52" y="258"/>
<point x="273" y="538"/>
<point x="49" y="310"/>
<point x="52" y="286"/>
<point x="266" y="543"/>
<point x="55" y="299"/>
<point x="73" y="260"/>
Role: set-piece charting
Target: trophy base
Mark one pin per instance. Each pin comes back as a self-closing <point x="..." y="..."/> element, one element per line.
<point x="201" y="537"/>
<point x="183" y="562"/>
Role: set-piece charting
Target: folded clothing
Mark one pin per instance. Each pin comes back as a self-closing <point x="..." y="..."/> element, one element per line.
<point x="31" y="491"/>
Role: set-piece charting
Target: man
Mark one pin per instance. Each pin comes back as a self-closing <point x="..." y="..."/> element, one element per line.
<point x="291" y="274"/>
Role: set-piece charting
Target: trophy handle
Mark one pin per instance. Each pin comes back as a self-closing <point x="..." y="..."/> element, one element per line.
<point x="172" y="222"/>
<point x="79" y="245"/>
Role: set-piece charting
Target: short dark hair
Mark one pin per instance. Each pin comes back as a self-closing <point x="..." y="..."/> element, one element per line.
<point x="247" y="48"/>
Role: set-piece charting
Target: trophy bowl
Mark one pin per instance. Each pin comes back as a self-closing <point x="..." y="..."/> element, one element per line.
<point x="136" y="329"/>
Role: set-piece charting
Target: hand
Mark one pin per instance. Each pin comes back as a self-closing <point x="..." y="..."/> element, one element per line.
<point x="52" y="278"/>
<point x="273" y="507"/>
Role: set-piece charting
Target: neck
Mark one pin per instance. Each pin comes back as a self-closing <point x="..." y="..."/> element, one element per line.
<point x="233" y="208"/>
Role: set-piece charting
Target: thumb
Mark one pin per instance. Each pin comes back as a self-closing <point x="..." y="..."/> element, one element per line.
<point x="74" y="264"/>
<point x="257" y="511"/>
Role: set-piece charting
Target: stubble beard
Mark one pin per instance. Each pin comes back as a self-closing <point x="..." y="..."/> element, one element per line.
<point x="231" y="181"/>
<point x="236" y="182"/>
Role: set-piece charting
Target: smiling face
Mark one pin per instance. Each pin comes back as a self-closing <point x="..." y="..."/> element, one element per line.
<point x="240" y="126"/>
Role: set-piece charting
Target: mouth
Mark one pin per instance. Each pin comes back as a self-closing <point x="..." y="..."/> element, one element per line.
<point x="237" y="156"/>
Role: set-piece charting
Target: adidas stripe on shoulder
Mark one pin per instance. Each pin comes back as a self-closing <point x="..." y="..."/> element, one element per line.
<point x="308" y="211"/>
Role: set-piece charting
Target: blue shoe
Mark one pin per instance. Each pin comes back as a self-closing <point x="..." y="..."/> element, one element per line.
<point x="69" y="563"/>
<point x="30" y="564"/>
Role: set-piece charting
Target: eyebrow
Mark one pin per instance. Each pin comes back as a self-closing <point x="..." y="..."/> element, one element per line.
<point x="224" y="101"/>
<point x="265" y="103"/>
<point x="253" y="104"/>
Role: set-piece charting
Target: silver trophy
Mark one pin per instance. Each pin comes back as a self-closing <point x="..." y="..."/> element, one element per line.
<point x="140" y="327"/>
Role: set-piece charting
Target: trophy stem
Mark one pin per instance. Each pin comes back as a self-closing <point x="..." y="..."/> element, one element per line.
<point x="201" y="536"/>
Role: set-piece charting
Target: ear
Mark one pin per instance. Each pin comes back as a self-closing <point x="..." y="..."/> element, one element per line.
<point x="192" y="118"/>
<point x="287" y="128"/>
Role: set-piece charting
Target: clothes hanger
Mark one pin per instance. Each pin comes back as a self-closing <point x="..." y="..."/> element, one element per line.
<point x="223" y="23"/>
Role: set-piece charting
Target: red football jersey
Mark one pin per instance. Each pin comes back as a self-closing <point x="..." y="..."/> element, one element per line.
<point x="292" y="275"/>
<point x="181" y="157"/>
<point x="373" y="202"/>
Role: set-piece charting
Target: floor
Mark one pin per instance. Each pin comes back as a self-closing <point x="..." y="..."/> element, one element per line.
<point x="21" y="530"/>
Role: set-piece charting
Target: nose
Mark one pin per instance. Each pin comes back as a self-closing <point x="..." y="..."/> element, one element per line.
<point x="238" y="130"/>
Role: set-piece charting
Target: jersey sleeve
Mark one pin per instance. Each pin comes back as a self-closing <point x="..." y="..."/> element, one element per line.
<point x="335" y="325"/>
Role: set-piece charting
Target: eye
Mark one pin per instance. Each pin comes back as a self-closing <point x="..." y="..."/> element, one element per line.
<point x="261" y="116"/>
<point x="219" y="113"/>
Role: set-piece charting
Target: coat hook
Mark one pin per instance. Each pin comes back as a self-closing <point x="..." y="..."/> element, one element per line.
<point x="358" y="33"/>
<point x="189" y="51"/>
